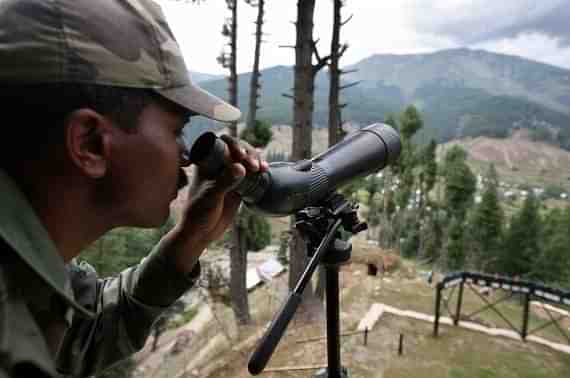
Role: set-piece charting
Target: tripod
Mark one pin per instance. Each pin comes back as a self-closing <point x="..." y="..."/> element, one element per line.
<point x="319" y="227"/>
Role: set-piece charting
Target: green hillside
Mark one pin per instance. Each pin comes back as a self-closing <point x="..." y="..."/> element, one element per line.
<point x="459" y="92"/>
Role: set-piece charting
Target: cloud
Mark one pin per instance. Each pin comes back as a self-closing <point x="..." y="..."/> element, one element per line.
<point x="535" y="29"/>
<point x="533" y="46"/>
<point x="486" y="20"/>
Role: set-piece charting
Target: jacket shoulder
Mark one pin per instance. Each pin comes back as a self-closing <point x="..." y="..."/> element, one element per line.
<point x="23" y="349"/>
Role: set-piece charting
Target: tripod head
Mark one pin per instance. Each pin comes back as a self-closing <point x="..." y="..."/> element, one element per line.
<point x="319" y="226"/>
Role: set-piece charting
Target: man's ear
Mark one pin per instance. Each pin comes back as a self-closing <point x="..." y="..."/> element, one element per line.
<point x="87" y="141"/>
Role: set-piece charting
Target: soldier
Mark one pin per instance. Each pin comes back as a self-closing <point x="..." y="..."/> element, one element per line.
<point x="94" y="96"/>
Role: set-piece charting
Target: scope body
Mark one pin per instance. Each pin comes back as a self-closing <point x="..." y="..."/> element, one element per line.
<point x="290" y="186"/>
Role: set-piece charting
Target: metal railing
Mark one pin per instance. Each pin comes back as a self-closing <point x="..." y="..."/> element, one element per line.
<point x="529" y="291"/>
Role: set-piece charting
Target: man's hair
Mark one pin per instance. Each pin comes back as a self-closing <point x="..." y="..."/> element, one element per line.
<point x="34" y="115"/>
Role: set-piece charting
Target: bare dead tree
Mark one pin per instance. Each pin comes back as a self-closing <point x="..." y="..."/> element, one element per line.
<point x="238" y="252"/>
<point x="337" y="50"/>
<point x="303" y="103"/>
<point x="254" y="85"/>
<point x="335" y="116"/>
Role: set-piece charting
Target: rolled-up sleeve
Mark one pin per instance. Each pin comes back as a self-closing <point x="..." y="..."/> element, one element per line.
<point x="125" y="308"/>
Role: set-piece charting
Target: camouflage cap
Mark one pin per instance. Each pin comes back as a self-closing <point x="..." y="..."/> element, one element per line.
<point x="125" y="43"/>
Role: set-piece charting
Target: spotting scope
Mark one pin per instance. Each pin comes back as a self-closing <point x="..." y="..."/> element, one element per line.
<point x="288" y="187"/>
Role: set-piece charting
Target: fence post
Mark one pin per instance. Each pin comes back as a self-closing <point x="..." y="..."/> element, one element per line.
<point x="401" y="345"/>
<point x="525" y="316"/>
<point x="437" y="307"/>
<point x="459" y="300"/>
<point x="365" y="336"/>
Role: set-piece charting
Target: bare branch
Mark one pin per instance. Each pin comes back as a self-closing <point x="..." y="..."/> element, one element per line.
<point x="350" y="85"/>
<point x="342" y="50"/>
<point x="315" y="50"/>
<point x="288" y="46"/>
<point x="343" y="72"/>
<point x="345" y="21"/>
<point x="288" y="96"/>
<point x="320" y="64"/>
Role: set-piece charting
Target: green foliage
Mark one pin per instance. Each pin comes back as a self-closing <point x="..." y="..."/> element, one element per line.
<point x="372" y="185"/>
<point x="259" y="135"/>
<point x="257" y="229"/>
<point x="460" y="182"/>
<point x="122" y="248"/>
<point x="410" y="122"/>
<point x="391" y="120"/>
<point x="429" y="163"/>
<point x="522" y="240"/>
<point x="350" y="189"/>
<point x="432" y="235"/>
<point x="478" y="113"/>
<point x="405" y="187"/>
<point x="455" y="245"/>
<point x="487" y="222"/>
<point x="553" y="261"/>
<point x="411" y="242"/>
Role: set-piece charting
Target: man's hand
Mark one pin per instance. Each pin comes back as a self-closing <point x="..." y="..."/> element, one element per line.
<point x="212" y="205"/>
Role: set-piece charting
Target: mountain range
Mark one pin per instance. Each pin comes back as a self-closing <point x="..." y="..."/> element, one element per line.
<point x="459" y="92"/>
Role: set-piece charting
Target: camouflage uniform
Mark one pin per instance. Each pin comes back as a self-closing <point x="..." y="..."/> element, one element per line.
<point x="49" y="310"/>
<point x="57" y="319"/>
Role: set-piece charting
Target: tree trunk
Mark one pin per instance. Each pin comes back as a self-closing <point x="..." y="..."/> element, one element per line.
<point x="305" y="72"/>
<point x="385" y="232"/>
<point x="302" y="117"/>
<point x="335" y="134"/>
<point x="303" y="82"/>
<point x="238" y="252"/>
<point x="254" y="83"/>
<point x="238" y="270"/>
<point x="233" y="89"/>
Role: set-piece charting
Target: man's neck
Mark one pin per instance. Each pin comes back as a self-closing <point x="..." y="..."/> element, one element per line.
<point x="64" y="206"/>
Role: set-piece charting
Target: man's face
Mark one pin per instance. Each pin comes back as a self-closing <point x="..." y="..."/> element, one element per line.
<point x="144" y="170"/>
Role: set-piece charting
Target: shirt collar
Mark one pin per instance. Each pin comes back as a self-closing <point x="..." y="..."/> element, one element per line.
<point x="22" y="230"/>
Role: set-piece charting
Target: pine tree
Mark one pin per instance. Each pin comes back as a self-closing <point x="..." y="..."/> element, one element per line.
<point x="429" y="165"/>
<point x="460" y="182"/>
<point x="455" y="246"/>
<point x="487" y="223"/>
<point x="427" y="180"/>
<point x="522" y="240"/>
<point x="552" y="265"/>
<point x="410" y="123"/>
<point x="460" y="186"/>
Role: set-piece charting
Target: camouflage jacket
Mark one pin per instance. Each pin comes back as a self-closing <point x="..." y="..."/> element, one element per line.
<point x="61" y="320"/>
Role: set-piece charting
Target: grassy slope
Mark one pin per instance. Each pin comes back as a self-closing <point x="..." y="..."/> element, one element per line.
<point x="456" y="353"/>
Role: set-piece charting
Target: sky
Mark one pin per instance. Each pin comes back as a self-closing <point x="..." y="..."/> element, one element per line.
<point x="533" y="29"/>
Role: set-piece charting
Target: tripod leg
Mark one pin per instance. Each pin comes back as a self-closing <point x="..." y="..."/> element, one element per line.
<point x="333" y="322"/>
